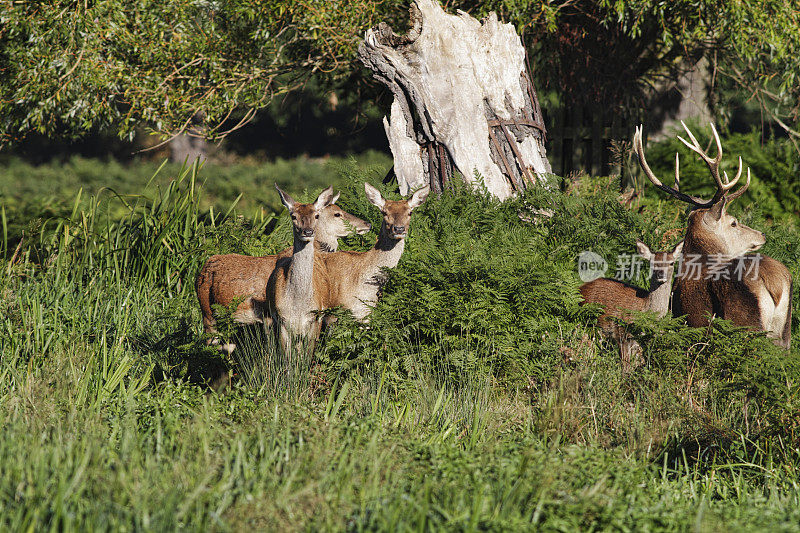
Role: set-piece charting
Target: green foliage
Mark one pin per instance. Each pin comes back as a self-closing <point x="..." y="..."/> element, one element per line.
<point x="44" y="194"/>
<point x="754" y="44"/>
<point x="773" y="164"/>
<point x="53" y="186"/>
<point x="470" y="294"/>
<point x="163" y="63"/>
<point x="178" y="65"/>
<point x="477" y="289"/>
<point x="480" y="291"/>
<point x="478" y="397"/>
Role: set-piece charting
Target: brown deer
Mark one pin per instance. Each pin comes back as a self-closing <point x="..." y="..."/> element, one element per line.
<point x="355" y="278"/>
<point x="297" y="287"/>
<point x="620" y="299"/>
<point x="751" y="291"/>
<point x="225" y="278"/>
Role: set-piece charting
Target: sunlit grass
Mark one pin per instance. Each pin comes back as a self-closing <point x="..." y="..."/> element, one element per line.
<point x="113" y="419"/>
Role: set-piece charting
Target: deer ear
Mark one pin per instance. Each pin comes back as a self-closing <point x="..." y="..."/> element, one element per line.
<point x="325" y="199"/>
<point x="678" y="250"/>
<point x="419" y="197"/>
<point x="643" y="250"/>
<point x="718" y="209"/>
<point x="374" y="196"/>
<point x="286" y="200"/>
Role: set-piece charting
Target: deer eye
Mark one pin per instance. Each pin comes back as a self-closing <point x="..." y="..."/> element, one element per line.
<point x="337" y="214"/>
<point x="733" y="224"/>
<point x="294" y="217"/>
<point x="316" y="216"/>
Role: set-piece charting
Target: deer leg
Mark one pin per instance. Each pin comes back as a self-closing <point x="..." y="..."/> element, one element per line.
<point x="216" y="341"/>
<point x="284" y="338"/>
<point x="636" y="354"/>
<point x="226" y="348"/>
<point x="624" y="353"/>
<point x="630" y="352"/>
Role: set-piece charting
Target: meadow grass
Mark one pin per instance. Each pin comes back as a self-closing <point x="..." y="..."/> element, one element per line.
<point x="480" y="398"/>
<point x="32" y="194"/>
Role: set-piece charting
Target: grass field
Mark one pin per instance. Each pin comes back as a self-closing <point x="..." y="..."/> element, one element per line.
<point x="481" y="398"/>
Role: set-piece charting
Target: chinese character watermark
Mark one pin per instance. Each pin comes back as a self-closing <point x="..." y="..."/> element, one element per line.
<point x="628" y="267"/>
<point x="713" y="267"/>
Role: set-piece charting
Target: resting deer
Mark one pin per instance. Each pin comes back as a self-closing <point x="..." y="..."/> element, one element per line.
<point x="751" y="291"/>
<point x="224" y="278"/>
<point x="296" y="289"/>
<point x="355" y="278"/>
<point x="619" y="299"/>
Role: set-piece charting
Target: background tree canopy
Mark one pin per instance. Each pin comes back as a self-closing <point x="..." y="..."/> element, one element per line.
<point x="69" y="67"/>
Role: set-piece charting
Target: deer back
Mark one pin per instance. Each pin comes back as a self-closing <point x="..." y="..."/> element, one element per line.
<point x="618" y="299"/>
<point x="224" y="278"/>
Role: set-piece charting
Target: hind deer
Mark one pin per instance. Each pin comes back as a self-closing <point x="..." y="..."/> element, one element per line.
<point x="620" y="299"/>
<point x="757" y="295"/>
<point x="224" y="278"/>
<point x="297" y="287"/>
<point x="355" y="278"/>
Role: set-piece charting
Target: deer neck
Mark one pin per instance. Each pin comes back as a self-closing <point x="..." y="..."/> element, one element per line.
<point x="387" y="251"/>
<point x="324" y="245"/>
<point x="301" y="271"/>
<point x="700" y="241"/>
<point x="658" y="299"/>
<point x="325" y="242"/>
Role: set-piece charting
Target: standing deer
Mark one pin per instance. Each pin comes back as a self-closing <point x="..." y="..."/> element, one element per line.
<point x="619" y="299"/>
<point x="355" y="278"/>
<point x="296" y="289"/>
<point x="757" y="296"/>
<point x="224" y="278"/>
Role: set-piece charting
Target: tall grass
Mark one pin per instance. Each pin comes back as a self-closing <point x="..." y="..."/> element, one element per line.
<point x="478" y="398"/>
<point x="273" y="371"/>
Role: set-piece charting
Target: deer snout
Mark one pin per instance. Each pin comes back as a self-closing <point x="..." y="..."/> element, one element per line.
<point x="398" y="230"/>
<point x="307" y="233"/>
<point x="759" y="241"/>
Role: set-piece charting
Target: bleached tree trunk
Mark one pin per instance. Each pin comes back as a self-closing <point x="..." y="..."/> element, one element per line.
<point x="462" y="99"/>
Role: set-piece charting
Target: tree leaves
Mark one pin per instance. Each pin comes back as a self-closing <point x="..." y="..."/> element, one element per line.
<point x="207" y="66"/>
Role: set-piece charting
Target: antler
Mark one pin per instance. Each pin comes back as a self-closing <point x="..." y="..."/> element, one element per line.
<point x="672" y="191"/>
<point x="713" y="166"/>
<point x="738" y="193"/>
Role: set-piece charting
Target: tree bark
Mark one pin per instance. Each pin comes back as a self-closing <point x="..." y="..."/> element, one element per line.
<point x="462" y="100"/>
<point x="693" y="87"/>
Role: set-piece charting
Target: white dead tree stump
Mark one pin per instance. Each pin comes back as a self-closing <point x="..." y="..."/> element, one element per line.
<point x="463" y="100"/>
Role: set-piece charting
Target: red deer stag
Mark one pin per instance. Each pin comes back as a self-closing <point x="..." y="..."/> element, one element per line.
<point x="717" y="279"/>
<point x="619" y="299"/>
